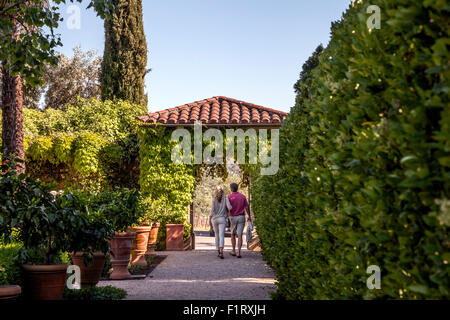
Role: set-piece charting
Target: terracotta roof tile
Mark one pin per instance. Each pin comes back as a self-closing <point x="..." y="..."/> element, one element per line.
<point x="276" y="118"/>
<point x="255" y="115"/>
<point x="204" y="116"/>
<point x="173" y="118"/>
<point x="184" y="116"/>
<point x="216" y="111"/>
<point x="163" y="117"/>
<point x="245" y="115"/>
<point x="265" y="117"/>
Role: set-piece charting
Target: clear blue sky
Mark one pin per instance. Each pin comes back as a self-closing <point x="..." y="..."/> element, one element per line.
<point x="250" y="50"/>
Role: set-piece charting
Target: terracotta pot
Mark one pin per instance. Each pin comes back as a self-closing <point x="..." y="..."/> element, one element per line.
<point x="152" y="238"/>
<point x="121" y="246"/>
<point x="140" y="245"/>
<point x="174" y="237"/>
<point x="9" y="292"/>
<point x="90" y="276"/>
<point x="45" y="282"/>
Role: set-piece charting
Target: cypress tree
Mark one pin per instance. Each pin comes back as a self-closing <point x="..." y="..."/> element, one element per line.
<point x="125" y="56"/>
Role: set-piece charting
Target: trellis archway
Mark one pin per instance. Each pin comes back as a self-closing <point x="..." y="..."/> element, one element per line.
<point x="169" y="186"/>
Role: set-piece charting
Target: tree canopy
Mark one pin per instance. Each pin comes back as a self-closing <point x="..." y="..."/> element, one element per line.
<point x="27" y="50"/>
<point x="125" y="55"/>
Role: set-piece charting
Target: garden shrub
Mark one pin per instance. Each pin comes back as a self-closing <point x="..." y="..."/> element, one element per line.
<point x="9" y="267"/>
<point x="364" y="163"/>
<point x="107" y="267"/>
<point x="40" y="149"/>
<point x="86" y="153"/>
<point x="11" y="262"/>
<point x="92" y="143"/>
<point x="46" y="225"/>
<point x="95" y="293"/>
<point x="62" y="148"/>
<point x="123" y="208"/>
<point x="113" y="120"/>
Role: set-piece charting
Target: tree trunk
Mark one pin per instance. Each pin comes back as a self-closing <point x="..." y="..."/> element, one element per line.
<point x="12" y="119"/>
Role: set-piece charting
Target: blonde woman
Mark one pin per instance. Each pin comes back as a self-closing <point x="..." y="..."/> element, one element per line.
<point x="220" y="208"/>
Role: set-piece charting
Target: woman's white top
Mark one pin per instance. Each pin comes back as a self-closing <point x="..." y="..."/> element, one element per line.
<point x="220" y="209"/>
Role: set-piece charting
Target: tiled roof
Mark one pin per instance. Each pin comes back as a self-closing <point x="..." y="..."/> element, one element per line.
<point x="216" y="111"/>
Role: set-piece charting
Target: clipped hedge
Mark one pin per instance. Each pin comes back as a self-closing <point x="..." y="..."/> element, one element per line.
<point x="364" y="163"/>
<point x="95" y="293"/>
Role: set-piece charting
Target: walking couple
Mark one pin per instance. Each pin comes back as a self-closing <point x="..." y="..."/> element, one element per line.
<point x="233" y="207"/>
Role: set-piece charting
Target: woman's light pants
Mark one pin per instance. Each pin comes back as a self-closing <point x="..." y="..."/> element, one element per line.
<point x="219" y="230"/>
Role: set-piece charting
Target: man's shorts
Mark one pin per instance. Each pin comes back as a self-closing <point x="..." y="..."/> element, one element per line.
<point x="237" y="224"/>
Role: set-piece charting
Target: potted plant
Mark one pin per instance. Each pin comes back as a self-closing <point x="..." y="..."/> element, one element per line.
<point x="42" y="231"/>
<point x="47" y="228"/>
<point x="142" y="229"/>
<point x="92" y="240"/>
<point x="9" y="271"/>
<point x="123" y="209"/>
<point x="60" y="228"/>
<point x="30" y="211"/>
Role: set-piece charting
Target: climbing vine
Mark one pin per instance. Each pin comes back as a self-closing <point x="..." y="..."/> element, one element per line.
<point x="169" y="186"/>
<point x="91" y="144"/>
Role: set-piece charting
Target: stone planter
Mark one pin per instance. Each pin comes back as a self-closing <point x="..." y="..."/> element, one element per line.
<point x="174" y="237"/>
<point x="9" y="292"/>
<point x="45" y="282"/>
<point x="121" y="246"/>
<point x="153" y="238"/>
<point x="140" y="245"/>
<point x="90" y="275"/>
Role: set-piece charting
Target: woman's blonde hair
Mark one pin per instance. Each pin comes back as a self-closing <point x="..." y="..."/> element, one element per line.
<point x="218" y="193"/>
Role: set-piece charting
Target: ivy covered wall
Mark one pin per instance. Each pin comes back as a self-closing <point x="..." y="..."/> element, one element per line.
<point x="91" y="144"/>
<point x="168" y="186"/>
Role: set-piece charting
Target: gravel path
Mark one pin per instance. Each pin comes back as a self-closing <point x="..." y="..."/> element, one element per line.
<point x="201" y="275"/>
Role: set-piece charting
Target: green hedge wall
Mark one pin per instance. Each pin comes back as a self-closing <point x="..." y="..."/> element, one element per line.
<point x="364" y="163"/>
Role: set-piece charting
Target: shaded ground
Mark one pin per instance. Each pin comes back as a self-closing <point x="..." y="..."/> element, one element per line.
<point x="200" y="274"/>
<point x="155" y="261"/>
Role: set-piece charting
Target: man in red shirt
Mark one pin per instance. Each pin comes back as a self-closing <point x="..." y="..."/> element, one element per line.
<point x="239" y="204"/>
